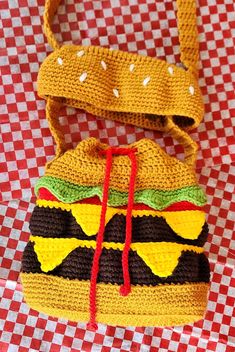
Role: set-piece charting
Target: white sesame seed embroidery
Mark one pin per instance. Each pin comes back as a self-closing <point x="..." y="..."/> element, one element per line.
<point x="170" y="70"/>
<point x="60" y="61"/>
<point x="116" y="93"/>
<point x="132" y="67"/>
<point x="103" y="64"/>
<point x="80" y="53"/>
<point x="83" y="77"/>
<point x="191" y="90"/>
<point x="146" y="81"/>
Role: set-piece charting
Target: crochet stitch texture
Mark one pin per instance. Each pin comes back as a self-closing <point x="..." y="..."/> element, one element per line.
<point x="126" y="87"/>
<point x="117" y="233"/>
<point x="166" y="249"/>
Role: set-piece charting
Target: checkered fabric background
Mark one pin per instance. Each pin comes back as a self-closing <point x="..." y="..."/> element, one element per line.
<point x="149" y="28"/>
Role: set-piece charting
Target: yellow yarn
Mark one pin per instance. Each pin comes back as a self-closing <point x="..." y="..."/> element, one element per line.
<point x="165" y="95"/>
<point x="161" y="257"/>
<point x="148" y="93"/>
<point x="126" y="87"/>
<point x="163" y="305"/>
<point x="84" y="166"/>
<point x="187" y="224"/>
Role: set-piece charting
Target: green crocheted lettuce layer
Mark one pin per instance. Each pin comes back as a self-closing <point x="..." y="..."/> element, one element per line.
<point x="68" y="192"/>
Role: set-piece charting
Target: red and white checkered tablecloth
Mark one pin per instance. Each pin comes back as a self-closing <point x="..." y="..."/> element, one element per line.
<point x="149" y="28"/>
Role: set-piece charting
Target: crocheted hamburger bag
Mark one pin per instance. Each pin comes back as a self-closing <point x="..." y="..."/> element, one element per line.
<point x="117" y="233"/>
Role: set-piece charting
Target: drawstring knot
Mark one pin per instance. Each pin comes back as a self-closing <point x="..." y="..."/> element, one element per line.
<point x="125" y="289"/>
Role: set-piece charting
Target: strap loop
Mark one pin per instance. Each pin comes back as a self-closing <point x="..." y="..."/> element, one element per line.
<point x="182" y="137"/>
<point x="187" y="27"/>
<point x="188" y="34"/>
<point x="52" y="113"/>
<point x="51" y="7"/>
<point x="53" y="108"/>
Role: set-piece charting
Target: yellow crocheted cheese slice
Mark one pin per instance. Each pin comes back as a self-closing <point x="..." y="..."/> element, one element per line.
<point x="161" y="257"/>
<point x="88" y="217"/>
<point x="51" y="252"/>
<point x="187" y="224"/>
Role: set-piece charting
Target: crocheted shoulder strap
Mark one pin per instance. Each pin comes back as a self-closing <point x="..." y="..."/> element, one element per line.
<point x="187" y="27"/>
<point x="52" y="114"/>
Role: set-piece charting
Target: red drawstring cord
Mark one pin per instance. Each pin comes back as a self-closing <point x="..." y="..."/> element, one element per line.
<point x="126" y="287"/>
<point x="99" y="240"/>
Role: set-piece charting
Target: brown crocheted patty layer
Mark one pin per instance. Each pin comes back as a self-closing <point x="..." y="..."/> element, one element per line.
<point x="192" y="267"/>
<point x="47" y="222"/>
